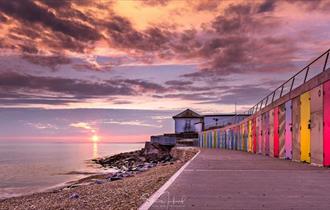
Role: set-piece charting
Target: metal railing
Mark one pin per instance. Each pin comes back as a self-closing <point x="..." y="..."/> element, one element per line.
<point x="298" y="79"/>
<point x="301" y="77"/>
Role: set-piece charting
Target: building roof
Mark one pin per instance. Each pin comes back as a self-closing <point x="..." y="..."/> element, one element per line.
<point x="225" y="115"/>
<point x="187" y="114"/>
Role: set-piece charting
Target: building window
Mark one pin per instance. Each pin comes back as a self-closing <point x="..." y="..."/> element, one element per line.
<point x="187" y="127"/>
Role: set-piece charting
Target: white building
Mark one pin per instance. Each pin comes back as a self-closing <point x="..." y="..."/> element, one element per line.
<point x="186" y="120"/>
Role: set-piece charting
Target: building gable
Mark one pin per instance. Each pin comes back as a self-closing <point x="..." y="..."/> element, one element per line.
<point x="187" y="114"/>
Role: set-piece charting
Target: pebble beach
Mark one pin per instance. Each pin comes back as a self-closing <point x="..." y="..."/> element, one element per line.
<point x="102" y="192"/>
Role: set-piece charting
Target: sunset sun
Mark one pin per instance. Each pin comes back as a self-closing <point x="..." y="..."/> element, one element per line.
<point x="95" y="138"/>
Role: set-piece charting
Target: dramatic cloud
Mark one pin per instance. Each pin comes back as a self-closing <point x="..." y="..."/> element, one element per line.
<point x="178" y="82"/>
<point x="84" y="126"/>
<point x="74" y="46"/>
<point x="239" y="95"/>
<point x="22" y="88"/>
<point x="37" y="21"/>
<point x="51" y="61"/>
<point x="131" y="123"/>
<point x="155" y="2"/>
<point x="267" y="6"/>
<point x="42" y="126"/>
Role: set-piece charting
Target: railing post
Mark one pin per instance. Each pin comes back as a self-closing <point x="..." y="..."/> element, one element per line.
<point x="266" y="100"/>
<point x="281" y="90"/>
<point x="292" y="84"/>
<point x="326" y="61"/>
<point x="273" y="96"/>
<point x="307" y="70"/>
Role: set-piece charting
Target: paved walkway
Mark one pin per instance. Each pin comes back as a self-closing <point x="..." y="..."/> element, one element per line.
<point x="224" y="179"/>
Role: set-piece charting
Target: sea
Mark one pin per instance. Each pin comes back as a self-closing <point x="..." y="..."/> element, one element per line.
<point x="28" y="167"/>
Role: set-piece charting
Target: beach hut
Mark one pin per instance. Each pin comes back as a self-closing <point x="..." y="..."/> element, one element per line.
<point x="242" y="136"/>
<point x="316" y="125"/>
<point x="246" y="135"/>
<point x="218" y="138"/>
<point x="271" y="133"/>
<point x="227" y="139"/>
<point x="231" y="139"/>
<point x="254" y="135"/>
<point x="305" y="127"/>
<point x="214" y="135"/>
<point x="210" y="139"/>
<point x="296" y="129"/>
<point x="276" y="132"/>
<point x="288" y="130"/>
<point x="259" y="134"/>
<point x="224" y="139"/>
<point x="236" y="138"/>
<point x="207" y="139"/>
<point x="267" y="133"/>
<point x="263" y="134"/>
<point x="281" y="127"/>
<point x="326" y="128"/>
<point x="238" y="133"/>
<point x="250" y="136"/>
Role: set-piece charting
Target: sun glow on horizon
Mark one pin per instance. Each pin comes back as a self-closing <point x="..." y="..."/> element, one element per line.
<point x="95" y="138"/>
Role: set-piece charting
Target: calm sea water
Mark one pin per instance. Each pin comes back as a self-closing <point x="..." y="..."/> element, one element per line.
<point x="32" y="167"/>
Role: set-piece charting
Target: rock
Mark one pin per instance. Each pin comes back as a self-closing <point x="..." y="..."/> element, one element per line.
<point x="155" y="152"/>
<point x="142" y="169"/>
<point x="127" y="174"/>
<point x="130" y="163"/>
<point x="118" y="176"/>
<point x="74" y="196"/>
<point x="109" y="175"/>
<point x="115" y="178"/>
<point x="99" y="181"/>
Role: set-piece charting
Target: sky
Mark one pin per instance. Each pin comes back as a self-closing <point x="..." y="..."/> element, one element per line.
<point x="120" y="69"/>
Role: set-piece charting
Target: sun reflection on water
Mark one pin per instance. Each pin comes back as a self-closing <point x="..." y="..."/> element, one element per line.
<point x="95" y="150"/>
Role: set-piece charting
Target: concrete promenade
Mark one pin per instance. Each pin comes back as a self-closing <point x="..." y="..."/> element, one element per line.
<point x="225" y="179"/>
